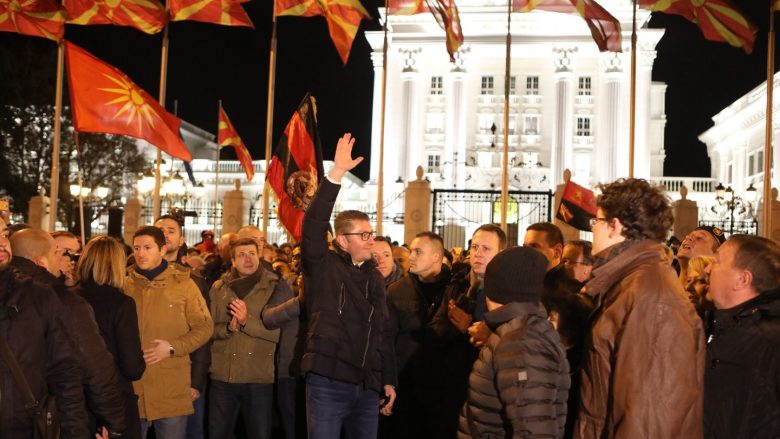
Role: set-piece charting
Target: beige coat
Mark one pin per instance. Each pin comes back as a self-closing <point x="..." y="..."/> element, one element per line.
<point x="171" y="308"/>
<point x="247" y="355"/>
<point x="642" y="373"/>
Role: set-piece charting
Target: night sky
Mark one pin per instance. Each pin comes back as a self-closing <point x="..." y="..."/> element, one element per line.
<point x="209" y="62"/>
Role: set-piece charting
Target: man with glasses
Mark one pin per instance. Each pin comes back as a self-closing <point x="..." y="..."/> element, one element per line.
<point x="348" y="360"/>
<point x="643" y="369"/>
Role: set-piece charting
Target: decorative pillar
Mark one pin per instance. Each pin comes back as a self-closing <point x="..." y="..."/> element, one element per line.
<point x="686" y="215"/>
<point x="133" y="208"/>
<point x="417" y="206"/>
<point x="642" y="155"/>
<point x="376" y="113"/>
<point x="609" y="144"/>
<point x="455" y="130"/>
<point x="409" y="128"/>
<point x="234" y="211"/>
<point x="561" y="154"/>
<point x="38" y="211"/>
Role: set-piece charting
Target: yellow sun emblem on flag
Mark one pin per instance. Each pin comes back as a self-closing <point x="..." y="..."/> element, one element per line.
<point x="136" y="108"/>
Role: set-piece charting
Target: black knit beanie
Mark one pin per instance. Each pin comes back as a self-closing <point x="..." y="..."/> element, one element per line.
<point x="515" y="275"/>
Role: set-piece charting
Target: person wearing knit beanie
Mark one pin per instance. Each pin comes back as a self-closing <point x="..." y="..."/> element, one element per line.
<point x="515" y="275"/>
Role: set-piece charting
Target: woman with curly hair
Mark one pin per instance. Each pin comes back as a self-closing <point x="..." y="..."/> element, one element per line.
<point x="644" y="362"/>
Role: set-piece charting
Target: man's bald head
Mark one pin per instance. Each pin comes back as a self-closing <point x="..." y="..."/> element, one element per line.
<point x="37" y="246"/>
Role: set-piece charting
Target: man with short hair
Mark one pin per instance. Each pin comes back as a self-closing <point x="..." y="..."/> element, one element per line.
<point x="741" y="381"/>
<point x="702" y="241"/>
<point x="383" y="254"/>
<point x="69" y="249"/>
<point x="257" y="235"/>
<point x="413" y="301"/>
<point x="643" y="368"/>
<point x="173" y="322"/>
<point x="348" y="361"/>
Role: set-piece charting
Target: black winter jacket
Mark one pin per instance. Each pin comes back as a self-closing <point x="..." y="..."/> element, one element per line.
<point x="742" y="377"/>
<point x="36" y="337"/>
<point x="345" y="305"/>
<point x="101" y="382"/>
<point x="520" y="382"/>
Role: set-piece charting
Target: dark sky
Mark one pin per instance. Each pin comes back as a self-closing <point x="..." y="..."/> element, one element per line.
<point x="209" y="62"/>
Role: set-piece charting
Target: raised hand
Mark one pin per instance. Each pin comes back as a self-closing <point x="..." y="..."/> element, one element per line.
<point x="343" y="161"/>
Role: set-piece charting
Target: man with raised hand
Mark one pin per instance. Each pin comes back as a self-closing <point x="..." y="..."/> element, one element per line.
<point x="348" y="360"/>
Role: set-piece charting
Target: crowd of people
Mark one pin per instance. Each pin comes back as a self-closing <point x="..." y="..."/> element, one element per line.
<point x="348" y="334"/>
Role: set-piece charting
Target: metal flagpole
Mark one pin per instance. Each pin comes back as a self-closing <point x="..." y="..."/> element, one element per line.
<point x="505" y="160"/>
<point x="163" y="79"/>
<point x="632" y="104"/>
<point x="81" y="185"/>
<point x="269" y="120"/>
<point x="770" y="74"/>
<point x="216" y="178"/>
<point x="380" y="191"/>
<point x="55" y="150"/>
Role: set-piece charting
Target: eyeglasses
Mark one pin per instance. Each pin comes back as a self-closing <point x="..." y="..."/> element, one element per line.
<point x="570" y="262"/>
<point x="596" y="220"/>
<point x="365" y="236"/>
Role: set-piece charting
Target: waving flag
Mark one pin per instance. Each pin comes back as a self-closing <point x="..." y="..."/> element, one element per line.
<point x="148" y="16"/>
<point x="343" y="17"/>
<point x="228" y="136"/>
<point x="578" y="206"/>
<point x="444" y="11"/>
<point x="105" y="100"/>
<point x="719" y="20"/>
<point x="224" y="12"/>
<point x="296" y="167"/>
<point x="38" y="18"/>
<point x="604" y="28"/>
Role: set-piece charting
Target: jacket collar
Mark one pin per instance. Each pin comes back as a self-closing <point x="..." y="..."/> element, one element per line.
<point x="764" y="305"/>
<point x="615" y="269"/>
<point x="512" y="310"/>
<point x="367" y="265"/>
<point x="29" y="268"/>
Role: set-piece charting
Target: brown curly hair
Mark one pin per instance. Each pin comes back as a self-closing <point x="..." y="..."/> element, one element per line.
<point x="642" y="208"/>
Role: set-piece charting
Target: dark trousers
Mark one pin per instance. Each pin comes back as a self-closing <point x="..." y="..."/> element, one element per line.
<point x="255" y="402"/>
<point x="290" y="402"/>
<point x="333" y="404"/>
<point x="196" y="422"/>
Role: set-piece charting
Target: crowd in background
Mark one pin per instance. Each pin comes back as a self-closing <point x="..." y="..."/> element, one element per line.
<point x="625" y="336"/>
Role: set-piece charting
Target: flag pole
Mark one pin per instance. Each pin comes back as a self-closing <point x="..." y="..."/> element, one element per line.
<point x="770" y="86"/>
<point x="505" y="160"/>
<point x="632" y="104"/>
<point x="216" y="178"/>
<point x="163" y="78"/>
<point x="80" y="177"/>
<point x="380" y="190"/>
<point x="269" y="120"/>
<point x="55" y="150"/>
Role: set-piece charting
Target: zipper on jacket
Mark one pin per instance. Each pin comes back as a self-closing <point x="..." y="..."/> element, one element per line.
<point x="368" y="337"/>
<point x="342" y="298"/>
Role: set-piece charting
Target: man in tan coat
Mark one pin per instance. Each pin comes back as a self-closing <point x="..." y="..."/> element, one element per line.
<point x="173" y="321"/>
<point x="643" y="365"/>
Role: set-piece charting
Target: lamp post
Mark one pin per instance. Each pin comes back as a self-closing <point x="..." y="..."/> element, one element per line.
<point x="728" y="200"/>
<point x="90" y="197"/>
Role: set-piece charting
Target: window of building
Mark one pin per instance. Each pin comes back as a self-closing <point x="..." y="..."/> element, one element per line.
<point x="583" y="126"/>
<point x="730" y="174"/>
<point x="487" y="85"/>
<point x="437" y="85"/>
<point x="751" y="164"/>
<point x="486" y="122"/>
<point x="760" y="165"/>
<point x="584" y="88"/>
<point x="531" y="124"/>
<point x="532" y="85"/>
<point x="512" y="85"/>
<point x="434" y="162"/>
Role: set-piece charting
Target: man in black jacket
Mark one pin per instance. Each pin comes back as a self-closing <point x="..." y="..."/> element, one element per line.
<point x="348" y="359"/>
<point x="35" y="254"/>
<point x="742" y="377"/>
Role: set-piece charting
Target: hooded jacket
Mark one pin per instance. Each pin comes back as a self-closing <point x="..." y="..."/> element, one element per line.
<point x="643" y="364"/>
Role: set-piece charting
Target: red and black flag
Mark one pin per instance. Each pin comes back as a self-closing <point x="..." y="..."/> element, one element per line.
<point x="296" y="167"/>
<point x="578" y="206"/>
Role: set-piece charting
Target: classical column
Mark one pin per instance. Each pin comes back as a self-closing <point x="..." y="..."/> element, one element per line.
<point x="409" y="132"/>
<point x="642" y="155"/>
<point x="376" y="113"/>
<point x="561" y="154"/>
<point x="609" y="143"/>
<point x="455" y="130"/>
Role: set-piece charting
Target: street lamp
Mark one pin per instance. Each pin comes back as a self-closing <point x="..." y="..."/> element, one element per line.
<point x="728" y="201"/>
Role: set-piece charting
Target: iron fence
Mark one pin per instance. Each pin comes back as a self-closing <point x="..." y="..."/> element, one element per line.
<point x="747" y="227"/>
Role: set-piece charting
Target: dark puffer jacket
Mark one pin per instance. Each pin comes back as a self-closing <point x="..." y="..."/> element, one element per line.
<point x="742" y="377"/>
<point x="345" y="305"/>
<point x="519" y="384"/>
<point x="29" y="324"/>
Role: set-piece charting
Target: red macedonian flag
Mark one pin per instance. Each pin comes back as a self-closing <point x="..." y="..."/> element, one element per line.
<point x="578" y="206"/>
<point x="228" y="136"/>
<point x="224" y="12"/>
<point x="105" y="100"/>
<point x="148" y="16"/>
<point x="296" y="167"/>
<point x="38" y="18"/>
<point x="343" y="17"/>
<point x="444" y="11"/>
<point x="719" y="20"/>
<point x="604" y="28"/>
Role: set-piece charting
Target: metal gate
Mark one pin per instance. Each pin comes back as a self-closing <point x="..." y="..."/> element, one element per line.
<point x="457" y="213"/>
